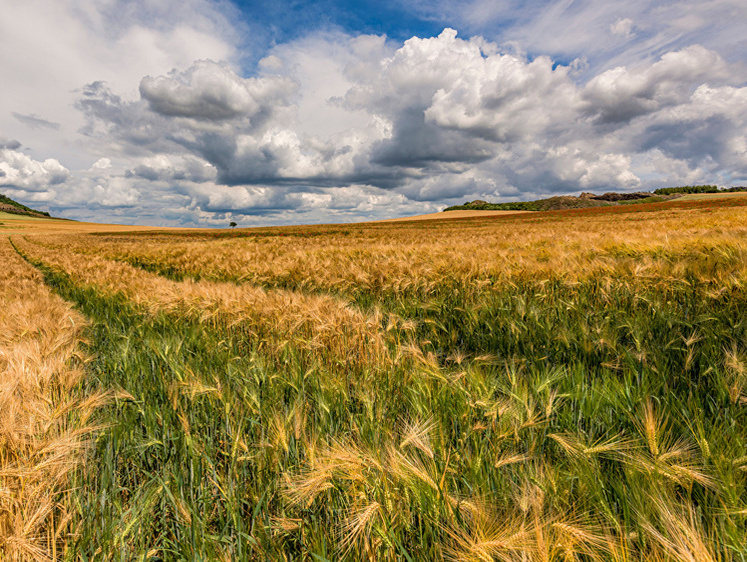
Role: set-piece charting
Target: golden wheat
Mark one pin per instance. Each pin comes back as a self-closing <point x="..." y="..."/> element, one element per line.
<point x="323" y="324"/>
<point x="42" y="424"/>
<point x="650" y="248"/>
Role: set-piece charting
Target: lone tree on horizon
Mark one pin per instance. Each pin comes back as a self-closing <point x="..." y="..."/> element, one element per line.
<point x="233" y="224"/>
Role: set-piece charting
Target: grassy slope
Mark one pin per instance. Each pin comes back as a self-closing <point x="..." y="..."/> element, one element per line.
<point x="711" y="196"/>
<point x="8" y="205"/>
<point x="19" y="216"/>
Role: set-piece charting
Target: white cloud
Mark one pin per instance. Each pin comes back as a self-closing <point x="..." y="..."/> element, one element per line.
<point x="213" y="92"/>
<point x="115" y="192"/>
<point x="707" y="131"/>
<point x="17" y="170"/>
<point x="621" y="94"/>
<point x="504" y="98"/>
<point x="589" y="172"/>
<point x="623" y="27"/>
<point x="172" y="168"/>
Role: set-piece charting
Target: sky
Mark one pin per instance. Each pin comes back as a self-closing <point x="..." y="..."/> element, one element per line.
<point x="270" y="112"/>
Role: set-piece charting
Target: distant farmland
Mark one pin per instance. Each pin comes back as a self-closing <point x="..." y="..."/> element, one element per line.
<point x="565" y="385"/>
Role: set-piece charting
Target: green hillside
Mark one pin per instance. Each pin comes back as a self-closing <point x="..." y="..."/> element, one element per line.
<point x="8" y="205"/>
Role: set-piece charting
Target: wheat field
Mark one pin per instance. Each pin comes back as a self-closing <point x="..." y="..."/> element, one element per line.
<point x="549" y="386"/>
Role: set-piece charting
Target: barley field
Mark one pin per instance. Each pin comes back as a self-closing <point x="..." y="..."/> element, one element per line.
<point x="551" y="386"/>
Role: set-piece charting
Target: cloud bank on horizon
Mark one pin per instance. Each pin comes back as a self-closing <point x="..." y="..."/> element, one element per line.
<point x="197" y="112"/>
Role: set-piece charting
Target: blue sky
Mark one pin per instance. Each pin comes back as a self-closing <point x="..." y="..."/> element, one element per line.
<point x="201" y="112"/>
<point x="280" y="22"/>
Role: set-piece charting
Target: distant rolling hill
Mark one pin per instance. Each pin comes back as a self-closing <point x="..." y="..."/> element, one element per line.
<point x="7" y="205"/>
<point x="586" y="200"/>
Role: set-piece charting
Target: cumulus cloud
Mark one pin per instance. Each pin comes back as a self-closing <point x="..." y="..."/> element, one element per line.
<point x="172" y="168"/>
<point x="19" y="171"/>
<point x="434" y="106"/>
<point x="211" y="91"/>
<point x="620" y="94"/>
<point x="433" y="119"/>
<point x="400" y="89"/>
<point x="708" y="130"/>
<point x="506" y="99"/>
